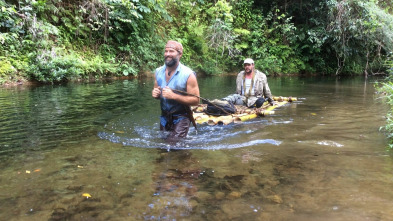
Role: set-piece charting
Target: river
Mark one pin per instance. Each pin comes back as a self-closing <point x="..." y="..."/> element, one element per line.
<point x="94" y="152"/>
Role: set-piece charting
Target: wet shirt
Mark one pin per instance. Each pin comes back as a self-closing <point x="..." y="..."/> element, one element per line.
<point x="177" y="81"/>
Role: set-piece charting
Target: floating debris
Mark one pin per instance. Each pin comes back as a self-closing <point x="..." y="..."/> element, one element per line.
<point x="86" y="195"/>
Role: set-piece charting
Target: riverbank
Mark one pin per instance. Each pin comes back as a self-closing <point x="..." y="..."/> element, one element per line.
<point x="27" y="83"/>
<point x="24" y="82"/>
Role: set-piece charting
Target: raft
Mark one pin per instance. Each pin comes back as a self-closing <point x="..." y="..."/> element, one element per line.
<point x="242" y="112"/>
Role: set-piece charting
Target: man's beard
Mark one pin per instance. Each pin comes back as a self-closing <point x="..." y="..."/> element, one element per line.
<point x="248" y="71"/>
<point x="171" y="62"/>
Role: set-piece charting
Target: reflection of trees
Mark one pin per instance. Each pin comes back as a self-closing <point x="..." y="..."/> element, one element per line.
<point x="45" y="116"/>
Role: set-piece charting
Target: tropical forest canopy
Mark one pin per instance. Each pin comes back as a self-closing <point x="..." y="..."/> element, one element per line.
<point x="61" y="40"/>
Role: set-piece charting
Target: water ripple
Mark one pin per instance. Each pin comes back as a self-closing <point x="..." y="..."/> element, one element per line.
<point x="207" y="137"/>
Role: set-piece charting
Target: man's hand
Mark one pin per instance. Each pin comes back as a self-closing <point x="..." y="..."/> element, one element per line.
<point x="271" y="101"/>
<point x="168" y="93"/>
<point x="156" y="92"/>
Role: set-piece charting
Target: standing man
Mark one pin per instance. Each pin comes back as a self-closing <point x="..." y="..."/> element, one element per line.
<point x="175" y="107"/>
<point x="252" y="88"/>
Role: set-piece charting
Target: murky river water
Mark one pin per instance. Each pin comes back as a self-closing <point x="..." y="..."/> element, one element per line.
<point x="94" y="152"/>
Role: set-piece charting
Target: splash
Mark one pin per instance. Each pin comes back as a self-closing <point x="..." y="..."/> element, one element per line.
<point x="206" y="137"/>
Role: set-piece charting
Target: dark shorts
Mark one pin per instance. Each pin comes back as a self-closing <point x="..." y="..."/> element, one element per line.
<point x="179" y="130"/>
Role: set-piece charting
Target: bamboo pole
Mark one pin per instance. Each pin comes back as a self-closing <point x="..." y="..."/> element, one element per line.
<point x="220" y="120"/>
<point x="265" y="113"/>
<point x="201" y="118"/>
<point x="212" y="121"/>
<point x="244" y="118"/>
<point x="225" y="120"/>
<point x="279" y="104"/>
<point x="280" y="98"/>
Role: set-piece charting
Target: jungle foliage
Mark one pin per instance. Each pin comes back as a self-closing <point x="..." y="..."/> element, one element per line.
<point x="386" y="88"/>
<point x="62" y="40"/>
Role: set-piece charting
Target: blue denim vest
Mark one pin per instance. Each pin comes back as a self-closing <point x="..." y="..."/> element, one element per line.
<point x="177" y="81"/>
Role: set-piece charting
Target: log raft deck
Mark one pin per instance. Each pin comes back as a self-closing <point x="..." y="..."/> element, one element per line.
<point x="242" y="113"/>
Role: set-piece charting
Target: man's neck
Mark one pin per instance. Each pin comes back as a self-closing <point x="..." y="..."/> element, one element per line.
<point x="249" y="75"/>
<point x="171" y="70"/>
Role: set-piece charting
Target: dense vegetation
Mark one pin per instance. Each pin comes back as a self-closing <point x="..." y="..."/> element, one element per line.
<point x="61" y="40"/>
<point x="386" y="88"/>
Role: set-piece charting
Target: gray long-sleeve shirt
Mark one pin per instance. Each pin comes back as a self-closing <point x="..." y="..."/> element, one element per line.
<point x="261" y="87"/>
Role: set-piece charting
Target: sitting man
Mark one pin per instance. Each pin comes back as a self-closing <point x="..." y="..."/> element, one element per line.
<point x="252" y="89"/>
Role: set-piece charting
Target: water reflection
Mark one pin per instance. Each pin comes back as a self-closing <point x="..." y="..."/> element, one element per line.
<point x="176" y="187"/>
<point x="185" y="188"/>
<point x="322" y="158"/>
<point x="43" y="117"/>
